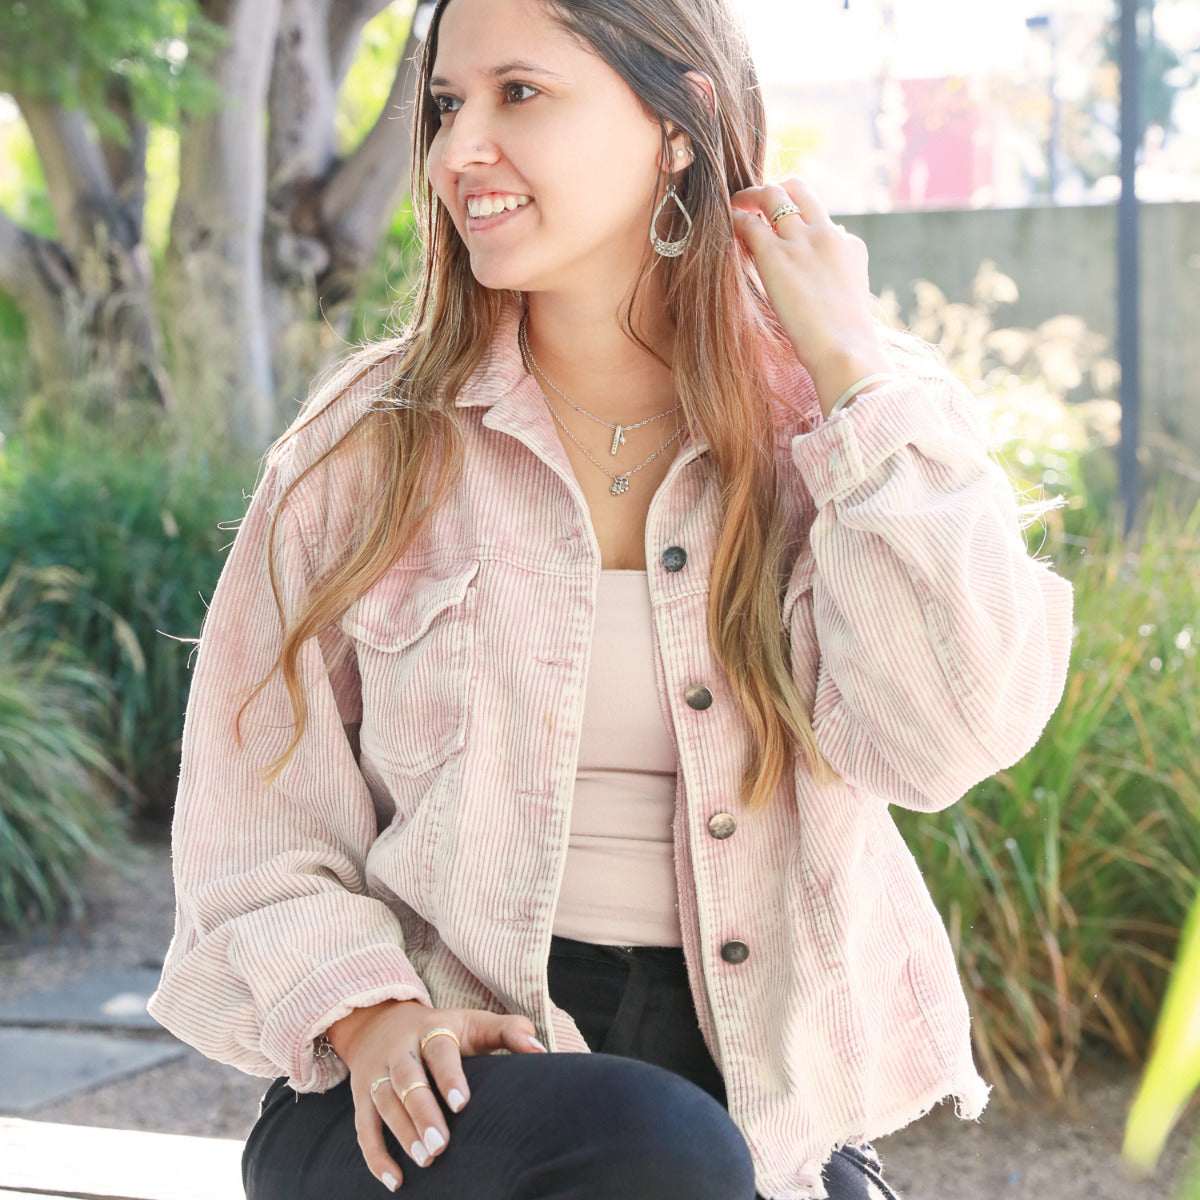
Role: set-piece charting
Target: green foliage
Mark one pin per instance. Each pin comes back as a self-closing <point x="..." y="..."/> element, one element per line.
<point x="1023" y="377"/>
<point x="141" y="536"/>
<point x="56" y="785"/>
<point x="381" y="306"/>
<point x="1066" y="879"/>
<point x="1173" y="1072"/>
<point x="83" y="53"/>
<point x="369" y="80"/>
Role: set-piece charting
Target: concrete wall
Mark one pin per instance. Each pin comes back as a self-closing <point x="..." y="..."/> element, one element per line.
<point x="1064" y="260"/>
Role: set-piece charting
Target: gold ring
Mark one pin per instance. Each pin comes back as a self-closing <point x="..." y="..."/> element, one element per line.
<point x="412" y="1087"/>
<point x="784" y="210"/>
<point x="440" y="1031"/>
<point x="378" y="1083"/>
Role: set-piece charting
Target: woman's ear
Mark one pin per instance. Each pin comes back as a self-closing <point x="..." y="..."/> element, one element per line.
<point x="681" y="153"/>
<point x="703" y="84"/>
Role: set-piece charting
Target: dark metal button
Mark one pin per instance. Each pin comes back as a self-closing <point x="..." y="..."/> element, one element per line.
<point x="698" y="697"/>
<point x="721" y="825"/>
<point x="735" y="952"/>
<point x="674" y="558"/>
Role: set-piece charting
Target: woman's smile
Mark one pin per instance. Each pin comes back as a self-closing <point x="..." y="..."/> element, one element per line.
<point x="490" y="212"/>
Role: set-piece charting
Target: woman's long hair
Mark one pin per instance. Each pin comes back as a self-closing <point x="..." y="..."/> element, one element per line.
<point x="723" y="322"/>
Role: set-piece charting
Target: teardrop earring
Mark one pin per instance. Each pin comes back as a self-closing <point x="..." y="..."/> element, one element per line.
<point x="676" y="248"/>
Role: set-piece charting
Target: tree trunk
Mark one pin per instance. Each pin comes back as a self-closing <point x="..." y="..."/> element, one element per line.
<point x="214" y="268"/>
<point x="88" y="298"/>
<point x="327" y="214"/>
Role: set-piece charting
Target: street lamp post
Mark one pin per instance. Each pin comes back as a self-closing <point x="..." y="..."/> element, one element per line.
<point x="1128" y="262"/>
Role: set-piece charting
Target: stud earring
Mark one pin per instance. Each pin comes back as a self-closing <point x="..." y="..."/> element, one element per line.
<point x="664" y="248"/>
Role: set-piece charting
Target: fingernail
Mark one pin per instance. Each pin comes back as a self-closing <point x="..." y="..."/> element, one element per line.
<point x="389" y="1181"/>
<point x="455" y="1099"/>
<point x="433" y="1140"/>
<point x="538" y="1045"/>
<point x="419" y="1153"/>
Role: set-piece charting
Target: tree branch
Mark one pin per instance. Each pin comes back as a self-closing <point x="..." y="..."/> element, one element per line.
<point x="301" y="101"/>
<point x="127" y="163"/>
<point x="360" y="195"/>
<point x="344" y="25"/>
<point x="77" y="177"/>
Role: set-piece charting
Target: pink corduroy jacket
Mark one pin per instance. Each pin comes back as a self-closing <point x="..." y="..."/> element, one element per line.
<point x="414" y="845"/>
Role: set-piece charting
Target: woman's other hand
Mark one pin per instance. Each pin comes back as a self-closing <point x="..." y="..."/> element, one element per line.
<point x="815" y="274"/>
<point x="398" y="1052"/>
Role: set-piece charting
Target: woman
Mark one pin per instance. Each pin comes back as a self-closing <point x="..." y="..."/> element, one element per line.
<point x="570" y="654"/>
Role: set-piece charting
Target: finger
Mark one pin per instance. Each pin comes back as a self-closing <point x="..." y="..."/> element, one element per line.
<point x="368" y="1128"/>
<point x="398" y="1114"/>
<point x="443" y="1061"/>
<point x="512" y="1032"/>
<point x="482" y="1032"/>
<point x="754" y="231"/>
<point x="805" y="199"/>
<point x="425" y="1115"/>
<point x="764" y="199"/>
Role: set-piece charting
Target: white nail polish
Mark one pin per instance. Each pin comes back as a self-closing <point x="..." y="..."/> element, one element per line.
<point x="538" y="1045"/>
<point x="389" y="1181"/>
<point x="455" y="1099"/>
<point x="419" y="1153"/>
<point x="433" y="1140"/>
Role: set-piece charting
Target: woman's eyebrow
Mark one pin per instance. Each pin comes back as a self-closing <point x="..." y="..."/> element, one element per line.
<point x="519" y="64"/>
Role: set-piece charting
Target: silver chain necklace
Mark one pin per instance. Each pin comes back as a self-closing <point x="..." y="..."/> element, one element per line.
<point x="618" y="430"/>
<point x="620" y="483"/>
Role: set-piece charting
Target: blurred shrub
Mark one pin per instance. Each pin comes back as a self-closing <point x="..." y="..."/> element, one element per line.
<point x="141" y="536"/>
<point x="1065" y="880"/>
<point x="1023" y="378"/>
<point x="56" y="783"/>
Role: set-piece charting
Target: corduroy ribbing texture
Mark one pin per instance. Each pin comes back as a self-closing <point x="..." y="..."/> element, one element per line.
<point x="414" y="845"/>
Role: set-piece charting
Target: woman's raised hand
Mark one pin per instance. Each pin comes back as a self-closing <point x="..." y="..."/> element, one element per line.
<point x="815" y="274"/>
<point x="398" y="1052"/>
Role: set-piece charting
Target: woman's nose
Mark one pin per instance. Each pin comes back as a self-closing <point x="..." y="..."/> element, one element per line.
<point x="467" y="142"/>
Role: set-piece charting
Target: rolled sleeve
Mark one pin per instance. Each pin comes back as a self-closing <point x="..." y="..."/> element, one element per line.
<point x="942" y="645"/>
<point x="276" y="935"/>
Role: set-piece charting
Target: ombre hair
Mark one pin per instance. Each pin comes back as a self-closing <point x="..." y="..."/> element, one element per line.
<point x="725" y="328"/>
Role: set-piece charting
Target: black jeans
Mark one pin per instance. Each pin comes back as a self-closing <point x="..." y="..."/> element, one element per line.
<point x="641" y="1118"/>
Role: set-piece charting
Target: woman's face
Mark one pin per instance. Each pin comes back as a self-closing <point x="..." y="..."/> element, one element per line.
<point x="548" y="134"/>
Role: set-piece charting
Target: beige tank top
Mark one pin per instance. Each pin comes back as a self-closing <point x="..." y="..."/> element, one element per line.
<point x="619" y="884"/>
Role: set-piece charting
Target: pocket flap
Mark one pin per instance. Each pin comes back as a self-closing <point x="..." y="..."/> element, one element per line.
<point x="400" y="608"/>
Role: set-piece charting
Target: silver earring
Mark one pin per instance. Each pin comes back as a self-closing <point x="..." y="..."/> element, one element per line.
<point x="676" y="248"/>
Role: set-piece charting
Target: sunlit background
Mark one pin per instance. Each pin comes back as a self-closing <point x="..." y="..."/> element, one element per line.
<point x="892" y="104"/>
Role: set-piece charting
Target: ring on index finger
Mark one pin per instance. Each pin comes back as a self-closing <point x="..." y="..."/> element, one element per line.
<point x="379" y="1083"/>
<point x="784" y="210"/>
<point x="440" y="1031"/>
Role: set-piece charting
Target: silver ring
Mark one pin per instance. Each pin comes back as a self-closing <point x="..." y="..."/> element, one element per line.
<point x="380" y="1081"/>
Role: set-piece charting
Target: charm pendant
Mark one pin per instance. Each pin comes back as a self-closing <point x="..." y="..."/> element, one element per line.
<point x="618" y="438"/>
<point x="620" y="484"/>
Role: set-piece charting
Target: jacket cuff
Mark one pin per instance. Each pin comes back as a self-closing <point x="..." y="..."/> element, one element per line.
<point x="841" y="454"/>
<point x="360" y="980"/>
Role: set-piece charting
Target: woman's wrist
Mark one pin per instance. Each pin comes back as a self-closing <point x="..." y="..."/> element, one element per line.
<point x="343" y="1034"/>
<point x="838" y="374"/>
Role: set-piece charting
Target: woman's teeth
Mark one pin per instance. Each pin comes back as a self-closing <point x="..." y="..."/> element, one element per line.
<point x="489" y="206"/>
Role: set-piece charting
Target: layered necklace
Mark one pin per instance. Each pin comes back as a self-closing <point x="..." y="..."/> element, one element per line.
<point x="620" y="483"/>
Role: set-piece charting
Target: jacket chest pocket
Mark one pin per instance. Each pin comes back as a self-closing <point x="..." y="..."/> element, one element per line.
<point x="414" y="637"/>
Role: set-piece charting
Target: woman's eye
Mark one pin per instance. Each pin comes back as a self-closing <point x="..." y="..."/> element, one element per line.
<point x="512" y="92"/>
<point x="444" y="104"/>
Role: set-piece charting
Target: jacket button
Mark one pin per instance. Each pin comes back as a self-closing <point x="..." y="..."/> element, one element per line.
<point x="674" y="558"/>
<point x="735" y="952"/>
<point x="698" y="697"/>
<point x="721" y="825"/>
